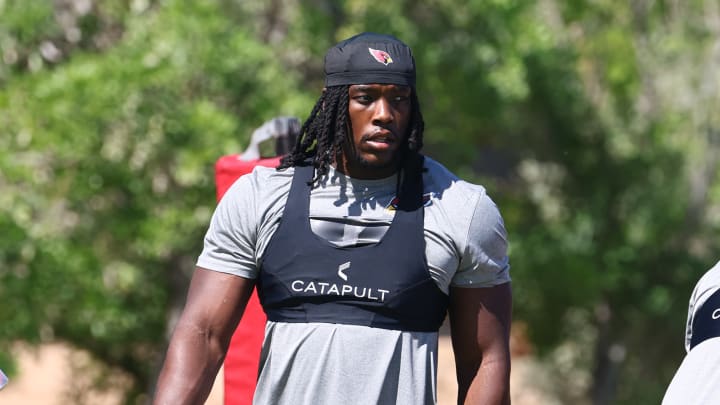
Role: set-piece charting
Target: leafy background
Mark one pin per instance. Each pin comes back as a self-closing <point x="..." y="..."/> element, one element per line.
<point x="593" y="125"/>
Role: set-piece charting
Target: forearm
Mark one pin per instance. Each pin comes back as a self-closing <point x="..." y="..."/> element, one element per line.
<point x="193" y="360"/>
<point x="488" y="383"/>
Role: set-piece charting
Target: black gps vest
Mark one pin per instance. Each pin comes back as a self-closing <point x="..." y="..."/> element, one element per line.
<point x="305" y="278"/>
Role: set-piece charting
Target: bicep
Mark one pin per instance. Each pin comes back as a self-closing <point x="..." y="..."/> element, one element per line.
<point x="480" y="321"/>
<point x="215" y="303"/>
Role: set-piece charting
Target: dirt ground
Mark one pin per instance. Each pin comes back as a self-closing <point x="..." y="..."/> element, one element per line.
<point x="46" y="373"/>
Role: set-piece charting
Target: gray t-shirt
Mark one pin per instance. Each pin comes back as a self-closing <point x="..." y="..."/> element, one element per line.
<point x="317" y="363"/>
<point x="697" y="380"/>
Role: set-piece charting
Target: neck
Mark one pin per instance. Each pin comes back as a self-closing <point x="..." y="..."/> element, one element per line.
<point x="361" y="170"/>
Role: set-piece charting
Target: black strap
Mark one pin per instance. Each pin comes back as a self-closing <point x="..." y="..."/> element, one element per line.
<point x="706" y="322"/>
<point x="411" y="192"/>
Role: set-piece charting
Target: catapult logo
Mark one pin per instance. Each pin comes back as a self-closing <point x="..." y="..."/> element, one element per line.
<point x="346" y="289"/>
<point x="341" y="270"/>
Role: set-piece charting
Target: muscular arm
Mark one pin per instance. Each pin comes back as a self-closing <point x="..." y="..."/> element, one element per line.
<point x="480" y="328"/>
<point x="198" y="345"/>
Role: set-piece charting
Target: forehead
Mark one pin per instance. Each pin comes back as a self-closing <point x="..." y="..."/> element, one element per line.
<point x="377" y="87"/>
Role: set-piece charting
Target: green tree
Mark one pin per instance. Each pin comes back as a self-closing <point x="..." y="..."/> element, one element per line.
<point x="593" y="125"/>
<point x="106" y="168"/>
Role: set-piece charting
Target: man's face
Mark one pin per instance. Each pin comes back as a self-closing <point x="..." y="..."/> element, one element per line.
<point x="379" y="116"/>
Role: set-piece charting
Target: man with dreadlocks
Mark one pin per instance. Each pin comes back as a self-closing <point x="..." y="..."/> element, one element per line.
<point x="359" y="246"/>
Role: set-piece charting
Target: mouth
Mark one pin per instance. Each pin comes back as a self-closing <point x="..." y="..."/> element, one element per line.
<point x="381" y="139"/>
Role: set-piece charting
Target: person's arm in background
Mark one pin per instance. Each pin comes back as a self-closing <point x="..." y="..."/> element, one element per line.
<point x="215" y="304"/>
<point x="480" y="330"/>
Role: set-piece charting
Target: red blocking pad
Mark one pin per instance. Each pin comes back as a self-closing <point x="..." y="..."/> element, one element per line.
<point x="243" y="356"/>
<point x="229" y="168"/>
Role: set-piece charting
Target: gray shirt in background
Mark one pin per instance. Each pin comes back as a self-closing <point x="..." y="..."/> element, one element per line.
<point x="697" y="380"/>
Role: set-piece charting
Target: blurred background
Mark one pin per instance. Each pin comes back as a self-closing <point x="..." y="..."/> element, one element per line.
<point x="593" y="124"/>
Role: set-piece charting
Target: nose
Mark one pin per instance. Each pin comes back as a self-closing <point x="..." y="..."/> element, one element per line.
<point x="383" y="113"/>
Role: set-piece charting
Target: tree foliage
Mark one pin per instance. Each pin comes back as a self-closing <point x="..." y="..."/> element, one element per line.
<point x="592" y="124"/>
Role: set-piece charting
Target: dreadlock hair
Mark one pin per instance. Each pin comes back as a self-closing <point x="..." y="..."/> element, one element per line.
<point x="323" y="133"/>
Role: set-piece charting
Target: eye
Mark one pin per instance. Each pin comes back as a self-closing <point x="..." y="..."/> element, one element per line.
<point x="363" y="99"/>
<point x="400" y="100"/>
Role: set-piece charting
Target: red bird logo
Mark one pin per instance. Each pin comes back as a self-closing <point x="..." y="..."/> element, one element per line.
<point x="381" y="56"/>
<point x="395" y="202"/>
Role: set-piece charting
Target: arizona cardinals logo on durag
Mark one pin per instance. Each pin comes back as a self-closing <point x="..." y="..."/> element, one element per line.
<point x="381" y="56"/>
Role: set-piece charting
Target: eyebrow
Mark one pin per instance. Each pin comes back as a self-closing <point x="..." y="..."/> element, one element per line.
<point x="361" y="87"/>
<point x="366" y="87"/>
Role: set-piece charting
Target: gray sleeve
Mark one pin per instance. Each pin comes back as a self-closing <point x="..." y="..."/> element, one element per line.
<point x="484" y="259"/>
<point x="229" y="245"/>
